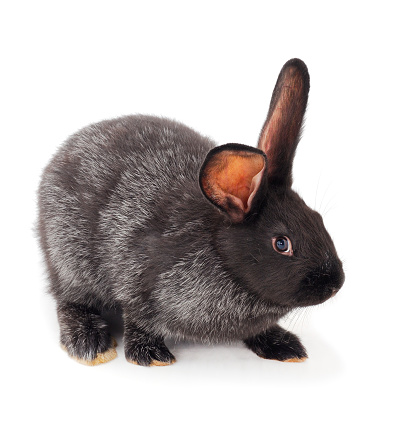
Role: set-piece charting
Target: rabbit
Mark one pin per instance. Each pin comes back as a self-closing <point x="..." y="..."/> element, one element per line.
<point x="188" y="239"/>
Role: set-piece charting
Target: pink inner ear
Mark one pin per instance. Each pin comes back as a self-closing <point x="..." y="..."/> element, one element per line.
<point x="231" y="180"/>
<point x="254" y="188"/>
<point x="240" y="178"/>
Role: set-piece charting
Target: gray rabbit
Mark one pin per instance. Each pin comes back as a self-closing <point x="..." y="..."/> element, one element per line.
<point x="189" y="240"/>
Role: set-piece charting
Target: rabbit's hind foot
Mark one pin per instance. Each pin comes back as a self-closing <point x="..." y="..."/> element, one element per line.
<point x="156" y="355"/>
<point x="154" y="363"/>
<point x="84" y="334"/>
<point x="146" y="349"/>
<point x="101" y="358"/>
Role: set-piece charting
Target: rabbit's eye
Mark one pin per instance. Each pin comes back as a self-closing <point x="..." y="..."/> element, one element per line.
<point x="282" y="245"/>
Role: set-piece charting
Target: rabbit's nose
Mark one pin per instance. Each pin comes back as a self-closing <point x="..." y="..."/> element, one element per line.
<point x="340" y="282"/>
<point x="331" y="271"/>
<point x="328" y="276"/>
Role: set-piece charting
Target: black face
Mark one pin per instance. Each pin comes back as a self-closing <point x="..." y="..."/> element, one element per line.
<point x="275" y="244"/>
<point x="286" y="255"/>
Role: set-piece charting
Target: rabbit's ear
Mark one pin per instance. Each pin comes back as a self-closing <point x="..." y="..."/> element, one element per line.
<point x="281" y="132"/>
<point x="233" y="178"/>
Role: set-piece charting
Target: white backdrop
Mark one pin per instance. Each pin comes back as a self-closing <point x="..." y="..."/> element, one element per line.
<point x="213" y="66"/>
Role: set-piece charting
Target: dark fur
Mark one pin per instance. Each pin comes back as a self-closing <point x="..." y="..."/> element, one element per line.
<point x="276" y="343"/>
<point x="82" y="331"/>
<point x="123" y="223"/>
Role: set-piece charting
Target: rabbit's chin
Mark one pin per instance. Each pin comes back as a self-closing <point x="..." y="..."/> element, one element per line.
<point x="314" y="296"/>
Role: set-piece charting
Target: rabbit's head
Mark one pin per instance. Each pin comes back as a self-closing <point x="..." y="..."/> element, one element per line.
<point x="270" y="239"/>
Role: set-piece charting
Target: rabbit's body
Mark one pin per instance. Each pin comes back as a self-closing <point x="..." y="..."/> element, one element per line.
<point x="145" y="169"/>
<point x="125" y="222"/>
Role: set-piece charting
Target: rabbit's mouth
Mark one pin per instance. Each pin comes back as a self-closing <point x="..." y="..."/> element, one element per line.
<point x="312" y="295"/>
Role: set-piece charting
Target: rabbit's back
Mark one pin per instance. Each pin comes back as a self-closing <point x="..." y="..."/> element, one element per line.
<point x="106" y="182"/>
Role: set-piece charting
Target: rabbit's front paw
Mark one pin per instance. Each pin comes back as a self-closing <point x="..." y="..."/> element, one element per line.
<point x="279" y="344"/>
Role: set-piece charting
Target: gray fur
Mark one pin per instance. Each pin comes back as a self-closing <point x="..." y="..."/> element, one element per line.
<point x="124" y="224"/>
<point x="108" y="208"/>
